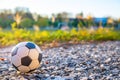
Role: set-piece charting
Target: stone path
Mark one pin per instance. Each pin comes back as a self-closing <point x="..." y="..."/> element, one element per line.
<point x="95" y="61"/>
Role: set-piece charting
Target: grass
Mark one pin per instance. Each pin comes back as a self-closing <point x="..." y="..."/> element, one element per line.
<point x="13" y="37"/>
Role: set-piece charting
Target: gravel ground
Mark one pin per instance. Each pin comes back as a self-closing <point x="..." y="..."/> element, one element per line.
<point x="93" y="61"/>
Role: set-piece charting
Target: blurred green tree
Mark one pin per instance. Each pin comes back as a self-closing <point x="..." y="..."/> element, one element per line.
<point x="6" y="18"/>
<point x="23" y="17"/>
<point x="41" y="22"/>
<point x="26" y="23"/>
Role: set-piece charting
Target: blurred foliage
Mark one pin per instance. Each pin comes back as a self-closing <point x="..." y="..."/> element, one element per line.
<point x="5" y="23"/>
<point x="26" y="23"/>
<point x="14" y="25"/>
<point x="42" y="22"/>
<point x="41" y="37"/>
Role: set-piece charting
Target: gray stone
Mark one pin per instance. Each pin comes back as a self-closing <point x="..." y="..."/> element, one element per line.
<point x="76" y="62"/>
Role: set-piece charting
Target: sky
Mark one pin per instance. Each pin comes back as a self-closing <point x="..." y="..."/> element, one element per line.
<point x="97" y="8"/>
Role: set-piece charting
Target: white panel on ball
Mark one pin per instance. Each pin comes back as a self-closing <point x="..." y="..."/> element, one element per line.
<point x="39" y="50"/>
<point x="16" y="60"/>
<point x="33" y="54"/>
<point x="24" y="69"/>
<point x="22" y="51"/>
<point x="34" y="64"/>
<point x="22" y="44"/>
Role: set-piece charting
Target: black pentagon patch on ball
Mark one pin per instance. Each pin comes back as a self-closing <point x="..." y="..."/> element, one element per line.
<point x="15" y="67"/>
<point x="40" y="57"/>
<point x="14" y="52"/>
<point x="30" y="45"/>
<point x="26" y="61"/>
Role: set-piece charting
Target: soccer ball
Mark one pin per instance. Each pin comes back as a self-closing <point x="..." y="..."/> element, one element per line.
<point x="26" y="57"/>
